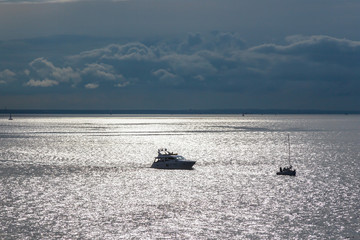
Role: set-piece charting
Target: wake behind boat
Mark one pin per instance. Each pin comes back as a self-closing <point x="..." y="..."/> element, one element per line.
<point x="170" y="160"/>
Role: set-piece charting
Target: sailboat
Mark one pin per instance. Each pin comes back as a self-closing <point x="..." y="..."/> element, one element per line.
<point x="287" y="170"/>
<point x="10" y="118"/>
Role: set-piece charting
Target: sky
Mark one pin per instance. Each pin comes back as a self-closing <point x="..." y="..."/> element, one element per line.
<point x="180" y="54"/>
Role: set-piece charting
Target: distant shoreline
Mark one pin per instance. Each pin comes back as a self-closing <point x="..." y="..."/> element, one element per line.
<point x="190" y="111"/>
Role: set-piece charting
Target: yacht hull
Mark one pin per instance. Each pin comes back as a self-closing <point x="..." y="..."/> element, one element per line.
<point x="174" y="165"/>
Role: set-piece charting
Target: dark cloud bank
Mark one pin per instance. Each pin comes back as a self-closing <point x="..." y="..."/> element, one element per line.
<point x="201" y="71"/>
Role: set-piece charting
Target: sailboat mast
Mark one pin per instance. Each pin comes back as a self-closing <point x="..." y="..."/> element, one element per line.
<point x="289" y="148"/>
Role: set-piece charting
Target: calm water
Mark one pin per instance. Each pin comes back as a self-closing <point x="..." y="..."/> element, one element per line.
<point x="79" y="177"/>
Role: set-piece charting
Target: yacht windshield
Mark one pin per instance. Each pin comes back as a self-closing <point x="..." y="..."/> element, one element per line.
<point x="180" y="158"/>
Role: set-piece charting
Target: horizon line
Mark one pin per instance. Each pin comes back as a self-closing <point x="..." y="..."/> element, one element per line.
<point x="176" y="111"/>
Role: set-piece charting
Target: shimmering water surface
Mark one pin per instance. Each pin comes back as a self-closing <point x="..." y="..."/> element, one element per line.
<point x="88" y="177"/>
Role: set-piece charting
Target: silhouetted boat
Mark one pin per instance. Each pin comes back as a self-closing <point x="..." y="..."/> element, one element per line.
<point x="287" y="170"/>
<point x="170" y="160"/>
<point x="10" y="118"/>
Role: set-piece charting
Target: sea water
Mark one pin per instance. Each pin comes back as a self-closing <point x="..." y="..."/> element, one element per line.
<point x="88" y="177"/>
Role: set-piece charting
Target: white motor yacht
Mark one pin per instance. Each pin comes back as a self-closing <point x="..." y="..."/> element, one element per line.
<point x="170" y="160"/>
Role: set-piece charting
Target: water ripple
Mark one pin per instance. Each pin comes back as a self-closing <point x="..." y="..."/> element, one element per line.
<point x="89" y="178"/>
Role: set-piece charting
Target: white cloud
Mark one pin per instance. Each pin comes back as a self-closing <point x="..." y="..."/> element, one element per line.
<point x="303" y="45"/>
<point x="91" y="85"/>
<point x="122" y="84"/>
<point x="6" y="76"/>
<point x="130" y="51"/>
<point x="41" y="83"/>
<point x="47" y="70"/>
<point x="199" y="77"/>
<point x="44" y="70"/>
<point x="167" y="77"/>
<point x="102" y="71"/>
<point x="189" y="64"/>
<point x="162" y="73"/>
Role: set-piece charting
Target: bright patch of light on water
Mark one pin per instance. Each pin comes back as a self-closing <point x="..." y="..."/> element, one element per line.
<point x="89" y="177"/>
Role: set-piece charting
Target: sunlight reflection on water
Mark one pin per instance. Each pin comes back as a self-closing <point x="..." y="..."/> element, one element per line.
<point x="89" y="177"/>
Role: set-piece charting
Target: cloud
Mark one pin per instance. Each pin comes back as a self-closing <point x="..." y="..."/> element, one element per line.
<point x="44" y="70"/>
<point x="219" y="61"/>
<point x="122" y="84"/>
<point x="303" y="67"/>
<point x="193" y="41"/>
<point x="102" y="71"/>
<point x="91" y="85"/>
<point x="138" y="64"/>
<point x="199" y="77"/>
<point x="47" y="70"/>
<point x="167" y="77"/>
<point x="190" y="64"/>
<point x="41" y="83"/>
<point x="316" y="48"/>
<point x="259" y="21"/>
<point x="228" y="40"/>
<point x="7" y="76"/>
<point x="130" y="51"/>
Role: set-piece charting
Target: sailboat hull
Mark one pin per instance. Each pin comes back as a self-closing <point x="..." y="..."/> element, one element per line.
<point x="289" y="173"/>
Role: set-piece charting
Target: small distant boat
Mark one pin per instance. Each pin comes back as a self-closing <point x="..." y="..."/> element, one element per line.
<point x="287" y="170"/>
<point x="10" y="117"/>
<point x="170" y="160"/>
